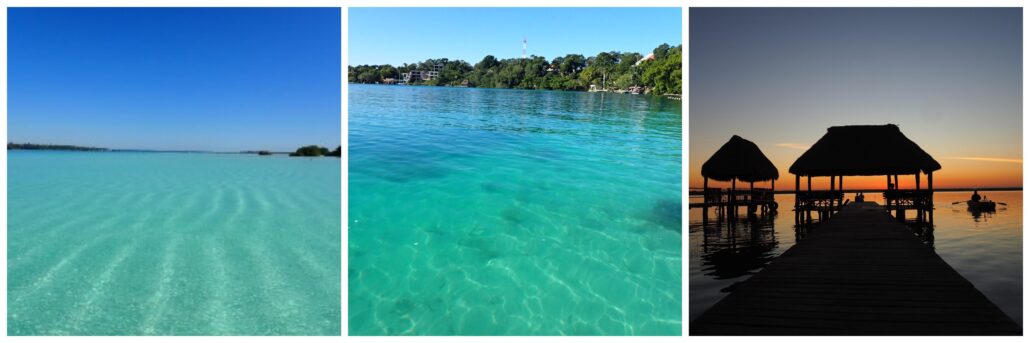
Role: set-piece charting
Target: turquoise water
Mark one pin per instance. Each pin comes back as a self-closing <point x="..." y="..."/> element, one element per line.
<point x="106" y="243"/>
<point x="504" y="212"/>
<point x="985" y="248"/>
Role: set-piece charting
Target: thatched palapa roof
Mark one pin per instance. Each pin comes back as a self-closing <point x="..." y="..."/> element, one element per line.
<point x="739" y="159"/>
<point x="864" y="150"/>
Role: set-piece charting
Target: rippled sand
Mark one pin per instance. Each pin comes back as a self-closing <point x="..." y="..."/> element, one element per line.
<point x="172" y="244"/>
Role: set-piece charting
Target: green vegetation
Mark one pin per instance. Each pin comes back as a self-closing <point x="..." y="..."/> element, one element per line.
<point x="264" y="153"/>
<point x="30" y="146"/>
<point x="336" y="152"/>
<point x="310" y="150"/>
<point x="607" y="71"/>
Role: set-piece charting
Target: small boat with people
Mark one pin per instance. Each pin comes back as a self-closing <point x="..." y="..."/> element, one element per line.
<point x="982" y="205"/>
<point x="977" y="203"/>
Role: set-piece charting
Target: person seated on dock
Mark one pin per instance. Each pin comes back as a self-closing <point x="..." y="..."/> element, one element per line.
<point x="975" y="197"/>
<point x="860" y="197"/>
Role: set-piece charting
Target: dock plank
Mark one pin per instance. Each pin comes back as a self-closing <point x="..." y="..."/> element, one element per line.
<point x="859" y="273"/>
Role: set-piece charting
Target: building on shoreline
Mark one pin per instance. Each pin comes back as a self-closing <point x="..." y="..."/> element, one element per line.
<point x="422" y="75"/>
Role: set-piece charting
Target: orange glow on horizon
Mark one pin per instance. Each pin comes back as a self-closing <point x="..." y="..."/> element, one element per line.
<point x="955" y="172"/>
<point x="990" y="159"/>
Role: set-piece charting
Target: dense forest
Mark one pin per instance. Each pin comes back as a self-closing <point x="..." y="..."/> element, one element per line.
<point x="608" y="71"/>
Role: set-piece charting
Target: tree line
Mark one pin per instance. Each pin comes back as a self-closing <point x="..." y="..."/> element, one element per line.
<point x="606" y="71"/>
<point x="311" y="151"/>
<point x="31" y="146"/>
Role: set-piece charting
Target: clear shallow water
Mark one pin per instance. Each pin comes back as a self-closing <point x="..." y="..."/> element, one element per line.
<point x="502" y="212"/>
<point x="172" y="244"/>
<point x="985" y="248"/>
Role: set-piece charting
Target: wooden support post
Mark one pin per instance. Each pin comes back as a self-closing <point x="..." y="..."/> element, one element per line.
<point x="929" y="182"/>
<point x="918" y="201"/>
<point x="797" y="192"/>
<point x="704" y="207"/>
<point x="833" y="187"/>
<point x="886" y="201"/>
<point x="733" y="199"/>
<point x="808" y="212"/>
<point x="898" y="211"/>
<point x="929" y="187"/>
<point x="751" y="199"/>
<point x="840" y="188"/>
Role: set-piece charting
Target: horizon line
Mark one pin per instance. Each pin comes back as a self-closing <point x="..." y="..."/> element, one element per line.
<point x="699" y="190"/>
<point x="159" y="150"/>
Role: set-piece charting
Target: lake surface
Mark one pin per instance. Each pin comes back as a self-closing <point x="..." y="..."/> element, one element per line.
<point x="985" y="248"/>
<point x="506" y="212"/>
<point x="112" y="243"/>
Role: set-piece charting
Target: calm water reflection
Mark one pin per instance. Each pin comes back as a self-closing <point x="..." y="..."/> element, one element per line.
<point x="985" y="247"/>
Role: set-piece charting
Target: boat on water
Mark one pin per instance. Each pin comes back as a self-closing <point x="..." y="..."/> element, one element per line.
<point x="980" y="205"/>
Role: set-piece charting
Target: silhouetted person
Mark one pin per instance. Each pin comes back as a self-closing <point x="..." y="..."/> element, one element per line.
<point x="976" y="197"/>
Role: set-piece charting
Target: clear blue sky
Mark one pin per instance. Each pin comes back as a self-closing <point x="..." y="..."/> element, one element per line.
<point x="950" y="78"/>
<point x="408" y="35"/>
<point x="219" y="79"/>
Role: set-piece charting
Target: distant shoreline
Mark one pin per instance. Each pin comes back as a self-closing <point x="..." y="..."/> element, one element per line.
<point x="672" y="96"/>
<point x="75" y="148"/>
<point x="32" y="146"/>
<point x="147" y="151"/>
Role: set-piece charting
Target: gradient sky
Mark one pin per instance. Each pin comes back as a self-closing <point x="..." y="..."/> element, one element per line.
<point x="219" y="79"/>
<point x="408" y="35"/>
<point x="951" y="79"/>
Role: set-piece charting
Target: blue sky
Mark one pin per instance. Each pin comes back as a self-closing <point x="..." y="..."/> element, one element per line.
<point x="407" y="35"/>
<point x="950" y="78"/>
<point x="218" y="79"/>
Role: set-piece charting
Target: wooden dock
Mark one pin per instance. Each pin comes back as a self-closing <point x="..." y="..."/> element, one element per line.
<point x="859" y="273"/>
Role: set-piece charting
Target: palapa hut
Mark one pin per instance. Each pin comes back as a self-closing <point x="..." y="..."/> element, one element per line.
<point x="865" y="150"/>
<point x="738" y="159"/>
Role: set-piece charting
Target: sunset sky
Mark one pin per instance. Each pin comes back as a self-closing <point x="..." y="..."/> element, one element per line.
<point x="951" y="79"/>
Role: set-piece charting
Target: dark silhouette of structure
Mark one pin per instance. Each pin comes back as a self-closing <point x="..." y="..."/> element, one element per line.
<point x="738" y="159"/>
<point x="864" y="150"/>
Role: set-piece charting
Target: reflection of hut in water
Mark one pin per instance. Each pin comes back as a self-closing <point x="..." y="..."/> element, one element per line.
<point x="864" y="150"/>
<point x="734" y="249"/>
<point x="738" y="159"/>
